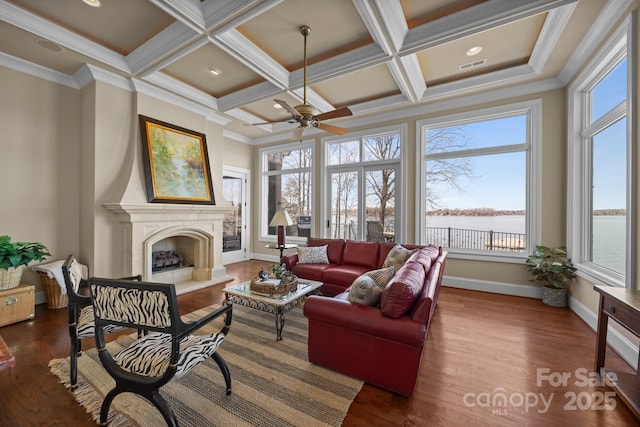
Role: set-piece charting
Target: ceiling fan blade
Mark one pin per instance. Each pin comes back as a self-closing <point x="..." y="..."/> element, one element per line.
<point x="297" y="134"/>
<point x="340" y="112"/>
<point x="333" y="129"/>
<point x="288" y="107"/>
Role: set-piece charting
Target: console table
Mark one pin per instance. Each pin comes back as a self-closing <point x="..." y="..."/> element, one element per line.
<point x="623" y="306"/>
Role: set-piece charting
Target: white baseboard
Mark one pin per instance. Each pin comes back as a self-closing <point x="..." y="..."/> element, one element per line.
<point x="528" y="291"/>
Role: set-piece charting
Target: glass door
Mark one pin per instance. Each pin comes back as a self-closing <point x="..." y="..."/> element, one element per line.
<point x="362" y="204"/>
<point x="234" y="230"/>
<point x="380" y="208"/>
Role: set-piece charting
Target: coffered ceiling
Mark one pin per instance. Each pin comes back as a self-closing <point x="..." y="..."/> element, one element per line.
<point x="372" y="56"/>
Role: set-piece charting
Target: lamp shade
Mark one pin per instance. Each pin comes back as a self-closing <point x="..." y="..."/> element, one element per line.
<point x="281" y="218"/>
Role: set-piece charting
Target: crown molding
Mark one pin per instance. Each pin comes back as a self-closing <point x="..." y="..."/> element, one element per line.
<point x="242" y="49"/>
<point x="481" y="17"/>
<point x="232" y="14"/>
<point x="172" y="85"/>
<point x="45" y="29"/>
<point x="17" y="64"/>
<point x="187" y="12"/>
<point x="161" y="49"/>
<point x="171" y="98"/>
<point x="89" y="73"/>
<point x="237" y="137"/>
<point x="611" y="13"/>
<point x="248" y="95"/>
<point x="553" y="27"/>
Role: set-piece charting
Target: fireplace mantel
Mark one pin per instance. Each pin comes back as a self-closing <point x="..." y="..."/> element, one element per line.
<point x="147" y="223"/>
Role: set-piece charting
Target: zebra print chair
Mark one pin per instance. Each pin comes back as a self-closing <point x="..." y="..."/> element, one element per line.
<point x="80" y="313"/>
<point x="166" y="351"/>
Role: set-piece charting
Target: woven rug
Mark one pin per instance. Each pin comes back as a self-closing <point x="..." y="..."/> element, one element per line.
<point x="273" y="383"/>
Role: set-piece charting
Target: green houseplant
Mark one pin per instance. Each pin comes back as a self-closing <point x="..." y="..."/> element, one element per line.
<point x="14" y="258"/>
<point x="551" y="267"/>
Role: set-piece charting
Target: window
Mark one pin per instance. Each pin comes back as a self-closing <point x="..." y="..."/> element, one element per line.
<point x="600" y="179"/>
<point x="363" y="198"/>
<point x="478" y="187"/>
<point x="286" y="173"/>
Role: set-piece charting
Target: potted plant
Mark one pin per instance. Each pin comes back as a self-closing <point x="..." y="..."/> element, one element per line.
<point x="14" y="258"/>
<point x="551" y="267"/>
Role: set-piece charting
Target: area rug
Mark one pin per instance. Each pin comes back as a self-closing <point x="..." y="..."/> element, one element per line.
<point x="273" y="383"/>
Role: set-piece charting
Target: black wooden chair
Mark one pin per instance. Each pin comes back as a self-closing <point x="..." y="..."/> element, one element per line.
<point x="80" y="313"/>
<point x="166" y="351"/>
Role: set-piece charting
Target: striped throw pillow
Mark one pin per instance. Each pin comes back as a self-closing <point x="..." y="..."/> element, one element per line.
<point x="398" y="256"/>
<point x="366" y="289"/>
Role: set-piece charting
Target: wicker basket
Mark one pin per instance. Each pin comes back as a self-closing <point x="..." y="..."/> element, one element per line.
<point x="10" y="278"/>
<point x="52" y="293"/>
<point x="269" y="288"/>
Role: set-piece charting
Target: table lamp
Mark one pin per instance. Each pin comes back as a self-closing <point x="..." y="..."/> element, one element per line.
<point x="281" y="220"/>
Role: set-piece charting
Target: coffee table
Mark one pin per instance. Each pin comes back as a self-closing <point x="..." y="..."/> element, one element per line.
<point x="279" y="304"/>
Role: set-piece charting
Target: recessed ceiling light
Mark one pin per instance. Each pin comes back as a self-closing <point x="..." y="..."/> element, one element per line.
<point x="474" y="50"/>
<point x="93" y="3"/>
<point x="276" y="105"/>
<point x="215" y="71"/>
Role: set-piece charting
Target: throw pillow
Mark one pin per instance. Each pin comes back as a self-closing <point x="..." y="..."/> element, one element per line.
<point x="313" y="255"/>
<point x="366" y="289"/>
<point x="398" y="256"/>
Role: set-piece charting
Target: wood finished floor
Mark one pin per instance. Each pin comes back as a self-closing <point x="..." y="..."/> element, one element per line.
<point x="480" y="346"/>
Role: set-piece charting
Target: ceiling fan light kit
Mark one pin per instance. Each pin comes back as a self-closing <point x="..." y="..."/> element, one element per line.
<point x="304" y="114"/>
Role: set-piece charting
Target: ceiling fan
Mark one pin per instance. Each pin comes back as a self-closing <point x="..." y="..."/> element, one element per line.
<point x="304" y="114"/>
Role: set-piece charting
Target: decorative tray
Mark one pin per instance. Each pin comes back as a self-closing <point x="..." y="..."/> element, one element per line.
<point x="271" y="287"/>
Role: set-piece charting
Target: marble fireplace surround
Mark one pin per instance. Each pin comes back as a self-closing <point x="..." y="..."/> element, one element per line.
<point x="148" y="223"/>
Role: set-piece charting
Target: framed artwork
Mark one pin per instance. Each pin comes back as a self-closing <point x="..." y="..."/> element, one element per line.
<point x="176" y="163"/>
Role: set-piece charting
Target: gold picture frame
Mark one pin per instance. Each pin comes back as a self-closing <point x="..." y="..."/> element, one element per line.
<point x="176" y="163"/>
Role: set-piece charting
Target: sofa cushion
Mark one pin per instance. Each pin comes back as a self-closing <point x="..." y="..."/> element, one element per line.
<point x="343" y="275"/>
<point x="402" y="291"/>
<point x="398" y="256"/>
<point x="366" y="289"/>
<point x="361" y="253"/>
<point x="310" y="271"/>
<point x="334" y="248"/>
<point x="431" y="252"/>
<point x="313" y="255"/>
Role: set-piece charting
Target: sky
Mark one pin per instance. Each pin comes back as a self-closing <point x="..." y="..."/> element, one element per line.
<point x="499" y="180"/>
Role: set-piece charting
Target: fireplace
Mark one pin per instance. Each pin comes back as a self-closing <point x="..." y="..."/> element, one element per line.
<point x="195" y="231"/>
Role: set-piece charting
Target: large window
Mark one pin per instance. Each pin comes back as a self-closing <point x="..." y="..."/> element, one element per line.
<point x="478" y="187"/>
<point x="600" y="182"/>
<point x="287" y="184"/>
<point x="362" y="182"/>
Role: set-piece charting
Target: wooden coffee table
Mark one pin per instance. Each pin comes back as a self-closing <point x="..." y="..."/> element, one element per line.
<point x="279" y="305"/>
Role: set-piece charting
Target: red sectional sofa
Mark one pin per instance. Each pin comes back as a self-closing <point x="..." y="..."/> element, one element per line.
<point x="381" y="344"/>
<point x="348" y="259"/>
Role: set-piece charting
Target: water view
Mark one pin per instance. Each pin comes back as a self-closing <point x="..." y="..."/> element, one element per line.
<point x="608" y="231"/>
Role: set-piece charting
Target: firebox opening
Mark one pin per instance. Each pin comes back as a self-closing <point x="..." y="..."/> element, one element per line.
<point x="171" y="254"/>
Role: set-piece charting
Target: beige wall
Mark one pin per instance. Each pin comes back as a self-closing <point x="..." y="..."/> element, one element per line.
<point x="39" y="158"/>
<point x="65" y="152"/>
